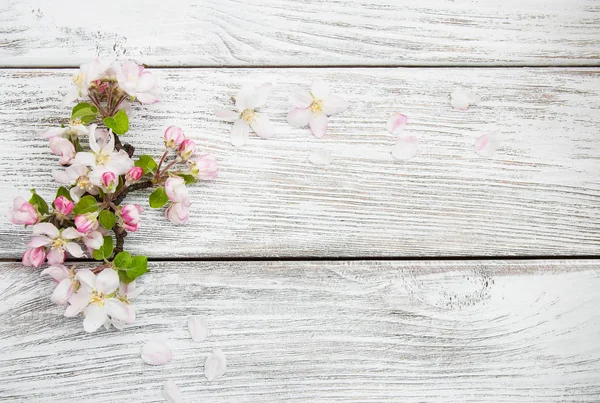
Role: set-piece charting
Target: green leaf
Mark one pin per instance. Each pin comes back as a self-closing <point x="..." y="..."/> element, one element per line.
<point x="188" y="178"/>
<point x="85" y="112"/>
<point x="118" y="123"/>
<point x="38" y="202"/>
<point x="147" y="164"/>
<point x="63" y="191"/>
<point x="87" y="204"/>
<point x="107" y="219"/>
<point x="138" y="266"/>
<point x="158" y="198"/>
<point x="105" y="250"/>
<point x="123" y="277"/>
<point x="122" y="260"/>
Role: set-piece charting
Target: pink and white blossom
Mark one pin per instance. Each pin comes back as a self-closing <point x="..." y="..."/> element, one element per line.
<point x="77" y="175"/>
<point x="130" y="216"/>
<point x="23" y="213"/>
<point x="203" y="167"/>
<point x="63" y="206"/>
<point x="104" y="179"/>
<point x="173" y="137"/>
<point x="133" y="175"/>
<point x="103" y="154"/>
<point x="86" y="222"/>
<point x="65" y="280"/>
<point x="138" y="82"/>
<point x="58" y="241"/>
<point x="93" y="240"/>
<point x="245" y="117"/>
<point x="95" y="298"/>
<point x="73" y="130"/>
<point x="312" y="107"/>
<point x="177" y="213"/>
<point x="176" y="190"/>
<point x="34" y="257"/>
<point x="88" y="72"/>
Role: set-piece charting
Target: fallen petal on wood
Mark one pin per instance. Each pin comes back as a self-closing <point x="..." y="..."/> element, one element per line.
<point x="406" y="148"/>
<point x="396" y="123"/>
<point x="320" y="157"/>
<point x="198" y="328"/>
<point x="462" y="98"/>
<point x="156" y="353"/>
<point x="487" y="144"/>
<point x="215" y="365"/>
<point x="171" y="392"/>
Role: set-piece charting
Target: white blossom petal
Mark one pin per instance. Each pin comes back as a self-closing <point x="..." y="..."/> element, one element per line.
<point x="107" y="281"/>
<point x="406" y="148"/>
<point x="262" y="93"/>
<point x="487" y="144"/>
<point x="230" y="116"/>
<point x="95" y="316"/>
<point x="334" y="105"/>
<point x="239" y="132"/>
<point x="462" y="98"/>
<point x="116" y="309"/>
<point x="301" y="98"/>
<point x="93" y="142"/>
<point x="71" y="233"/>
<point x="156" y="352"/>
<point x="85" y="158"/>
<point x="45" y="228"/>
<point x="38" y="241"/>
<point x="62" y="292"/>
<point x="198" y="328"/>
<point x="86" y="278"/>
<point x="396" y="123"/>
<point x="215" y="365"/>
<point x="299" y="117"/>
<point x="58" y="272"/>
<point x="263" y="127"/>
<point x="320" y="157"/>
<point x="74" y="249"/>
<point x="320" y="89"/>
<point x="318" y="125"/>
<point x="171" y="392"/>
<point x="246" y="98"/>
<point x="77" y="303"/>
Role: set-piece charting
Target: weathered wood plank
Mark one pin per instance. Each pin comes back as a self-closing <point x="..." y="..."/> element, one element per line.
<point x="290" y="32"/>
<point x="495" y="331"/>
<point x="539" y="195"/>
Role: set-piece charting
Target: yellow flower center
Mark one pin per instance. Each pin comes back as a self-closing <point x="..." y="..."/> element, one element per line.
<point x="101" y="158"/>
<point x="75" y="122"/>
<point x="316" y="106"/>
<point x="97" y="298"/>
<point x="78" y="79"/>
<point x="83" y="182"/>
<point x="249" y="115"/>
<point x="58" y="243"/>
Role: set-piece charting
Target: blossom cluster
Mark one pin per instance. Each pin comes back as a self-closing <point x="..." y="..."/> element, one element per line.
<point x="87" y="217"/>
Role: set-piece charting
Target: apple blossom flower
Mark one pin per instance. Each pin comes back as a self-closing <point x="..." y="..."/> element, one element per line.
<point x="73" y="130"/>
<point x="23" y="213"/>
<point x="63" y="206"/>
<point x="245" y="116"/>
<point x="203" y="167"/>
<point x="57" y="240"/>
<point x="173" y="137"/>
<point x="88" y="72"/>
<point x="176" y="190"/>
<point x="77" y="175"/>
<point x="125" y="294"/>
<point x="65" y="280"/>
<point x="133" y="175"/>
<point x="93" y="240"/>
<point x="187" y="148"/>
<point x="103" y="155"/>
<point x="177" y="213"/>
<point x="312" y="108"/>
<point x="86" y="222"/>
<point x="138" y="82"/>
<point x="34" y="257"/>
<point x="95" y="298"/>
<point x="130" y="216"/>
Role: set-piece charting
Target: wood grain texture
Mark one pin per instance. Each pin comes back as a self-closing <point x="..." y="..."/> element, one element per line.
<point x="540" y="195"/>
<point x="46" y="33"/>
<point x="494" y="331"/>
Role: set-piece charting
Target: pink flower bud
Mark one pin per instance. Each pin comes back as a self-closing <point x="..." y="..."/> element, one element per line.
<point x="177" y="213"/>
<point x="173" y="136"/>
<point x="34" y="257"/>
<point x="176" y="190"/>
<point x="204" y="167"/>
<point x="187" y="148"/>
<point x="110" y="181"/>
<point x="134" y="174"/>
<point x="23" y="213"/>
<point x="86" y="222"/>
<point x="63" y="206"/>
<point x="130" y="214"/>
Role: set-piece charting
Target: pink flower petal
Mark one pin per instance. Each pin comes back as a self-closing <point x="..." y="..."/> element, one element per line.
<point x="171" y="392"/>
<point x="406" y="148"/>
<point x="318" y="125"/>
<point x="396" y="123"/>
<point x="156" y="352"/>
<point x="487" y="144"/>
<point x="320" y="157"/>
<point x="198" y="328"/>
<point x="215" y="365"/>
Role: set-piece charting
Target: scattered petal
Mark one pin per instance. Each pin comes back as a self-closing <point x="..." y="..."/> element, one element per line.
<point x="198" y="328"/>
<point x="156" y="353"/>
<point x="461" y="99"/>
<point x="215" y="365"/>
<point x="396" y="123"/>
<point x="318" y="125"/>
<point x="406" y="148"/>
<point x="320" y="157"/>
<point x="487" y="144"/>
<point x="239" y="133"/>
<point x="263" y="127"/>
<point x="171" y="392"/>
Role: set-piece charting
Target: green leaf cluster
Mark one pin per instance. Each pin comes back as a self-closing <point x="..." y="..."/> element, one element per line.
<point x="107" y="219"/>
<point x="38" y="202"/>
<point x="130" y="267"/>
<point x="85" y="112"/>
<point x="105" y="250"/>
<point x="147" y="164"/>
<point x="119" y="123"/>
<point x="158" y="198"/>
<point x="87" y="204"/>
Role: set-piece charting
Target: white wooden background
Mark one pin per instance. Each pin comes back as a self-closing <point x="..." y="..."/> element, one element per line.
<point x="430" y="330"/>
